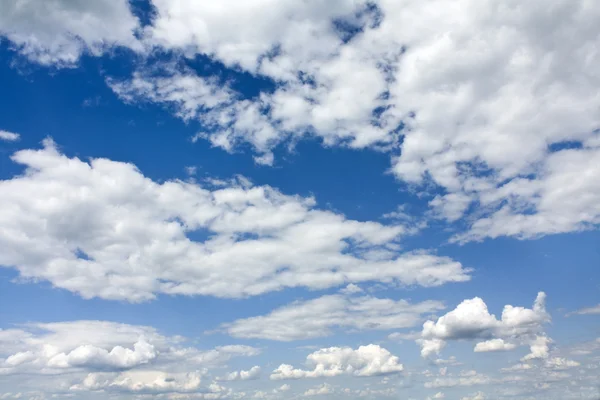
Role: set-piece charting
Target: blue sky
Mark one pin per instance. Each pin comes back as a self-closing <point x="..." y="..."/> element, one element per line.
<point x="267" y="200"/>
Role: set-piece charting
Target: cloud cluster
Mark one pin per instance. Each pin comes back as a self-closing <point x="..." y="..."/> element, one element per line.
<point x="445" y="78"/>
<point x="242" y="375"/>
<point x="102" y="229"/>
<point x="370" y="360"/>
<point x="58" y="32"/>
<point x="64" y="347"/>
<point x="140" y="382"/>
<point x="496" y="104"/>
<point x="471" y="320"/>
<point x="319" y="317"/>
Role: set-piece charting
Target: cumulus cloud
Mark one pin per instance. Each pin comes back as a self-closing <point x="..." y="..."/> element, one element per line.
<point x="102" y="229"/>
<point x="57" y="32"/>
<point x="319" y="317"/>
<point x="242" y="375"/>
<point x="563" y="197"/>
<point x="61" y="347"/>
<point x="370" y="360"/>
<point x="443" y="81"/>
<point x="320" y="390"/>
<point x="539" y="348"/>
<point x="141" y="382"/>
<point x="493" y="345"/>
<point x="9" y="136"/>
<point x="438" y="83"/>
<point x="471" y="320"/>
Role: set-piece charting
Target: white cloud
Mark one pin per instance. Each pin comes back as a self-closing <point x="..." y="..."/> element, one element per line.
<point x="493" y="345"/>
<point x="370" y="360"/>
<point x="474" y="396"/>
<point x="189" y="94"/>
<point x="104" y="230"/>
<point x="61" y="347"/>
<point x="9" y="136"/>
<point x="141" y="382"/>
<point x="466" y="378"/>
<point x="518" y="367"/>
<point x="471" y="320"/>
<point x="587" y="311"/>
<point x="351" y="289"/>
<point x="564" y="197"/>
<point x="452" y="87"/>
<point x="539" y="348"/>
<point x="559" y="363"/>
<point x="438" y="395"/>
<point x="482" y="92"/>
<point x="59" y="31"/>
<point x="320" y="390"/>
<point x="319" y="317"/>
<point x="242" y="375"/>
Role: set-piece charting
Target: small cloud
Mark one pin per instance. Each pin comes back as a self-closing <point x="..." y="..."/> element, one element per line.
<point x="91" y="102"/>
<point x="586" y="311"/>
<point x="9" y="136"/>
<point x="351" y="289"/>
<point x="191" y="170"/>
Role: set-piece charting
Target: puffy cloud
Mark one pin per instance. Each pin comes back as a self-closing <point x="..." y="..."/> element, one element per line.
<point x="493" y="345"/>
<point x="320" y="390"/>
<point x="59" y="31"/>
<point x="190" y="95"/>
<point x="141" y="382"/>
<point x="370" y="360"/>
<point x="471" y="320"/>
<point x="102" y="229"/>
<point x="9" y="136"/>
<point x="560" y="363"/>
<point x="252" y="373"/>
<point x="318" y="317"/>
<point x="445" y="78"/>
<point x="52" y="348"/>
<point x="563" y="197"/>
<point x="539" y="348"/>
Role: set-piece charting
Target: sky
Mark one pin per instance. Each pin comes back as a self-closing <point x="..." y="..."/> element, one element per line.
<point x="339" y="199"/>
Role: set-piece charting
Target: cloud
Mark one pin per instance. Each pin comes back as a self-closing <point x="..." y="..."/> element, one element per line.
<point x="493" y="345"/>
<point x="438" y="395"/>
<point x="141" y="382"/>
<point x="475" y="396"/>
<point x="105" y="230"/>
<point x="564" y="197"/>
<point x="587" y="311"/>
<point x="466" y="378"/>
<point x="560" y="363"/>
<point x="539" y="348"/>
<point x="320" y="390"/>
<point x="370" y="360"/>
<point x="9" y="136"/>
<point x="58" y="32"/>
<point x="64" y="347"/>
<point x="439" y="86"/>
<point x="251" y="374"/>
<point x="319" y="317"/>
<point x="471" y="320"/>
